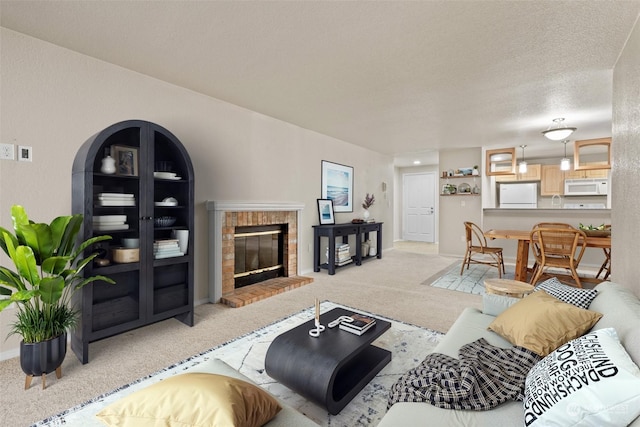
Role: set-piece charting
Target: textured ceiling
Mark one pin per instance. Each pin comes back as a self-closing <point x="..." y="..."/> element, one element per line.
<point x="401" y="78"/>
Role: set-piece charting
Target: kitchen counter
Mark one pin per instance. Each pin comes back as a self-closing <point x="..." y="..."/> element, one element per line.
<point x="551" y="210"/>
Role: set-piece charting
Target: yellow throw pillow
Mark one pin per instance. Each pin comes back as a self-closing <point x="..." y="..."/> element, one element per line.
<point x="193" y="399"/>
<point x="542" y="323"/>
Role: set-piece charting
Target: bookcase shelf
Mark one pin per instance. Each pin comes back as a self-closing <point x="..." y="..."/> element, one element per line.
<point x="149" y="290"/>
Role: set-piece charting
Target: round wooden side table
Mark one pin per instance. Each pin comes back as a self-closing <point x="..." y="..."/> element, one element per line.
<point x="507" y="287"/>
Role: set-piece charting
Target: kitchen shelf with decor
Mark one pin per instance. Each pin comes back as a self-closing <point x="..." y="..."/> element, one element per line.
<point x="134" y="181"/>
<point x="462" y="189"/>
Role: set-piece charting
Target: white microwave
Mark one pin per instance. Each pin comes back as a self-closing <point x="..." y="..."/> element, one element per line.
<point x="586" y="187"/>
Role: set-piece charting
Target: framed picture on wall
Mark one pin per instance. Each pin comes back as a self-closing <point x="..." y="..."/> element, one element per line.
<point x="337" y="185"/>
<point x="126" y="160"/>
<point x="325" y="211"/>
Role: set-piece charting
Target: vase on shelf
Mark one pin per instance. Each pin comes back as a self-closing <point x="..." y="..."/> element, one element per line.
<point x="366" y="214"/>
<point x="108" y="165"/>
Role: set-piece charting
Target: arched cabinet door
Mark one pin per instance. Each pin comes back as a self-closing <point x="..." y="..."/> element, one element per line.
<point x="134" y="181"/>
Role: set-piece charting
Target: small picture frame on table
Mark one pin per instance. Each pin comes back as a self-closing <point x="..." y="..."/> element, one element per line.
<point x="325" y="211"/>
<point x="126" y="160"/>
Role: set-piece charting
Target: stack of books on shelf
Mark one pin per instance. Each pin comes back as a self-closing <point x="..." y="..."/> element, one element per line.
<point x="110" y="222"/>
<point x="166" y="248"/>
<point x="359" y="325"/>
<point x="343" y="257"/>
<point x="115" y="199"/>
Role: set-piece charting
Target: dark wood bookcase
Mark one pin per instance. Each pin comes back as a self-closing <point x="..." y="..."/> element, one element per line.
<point x="149" y="290"/>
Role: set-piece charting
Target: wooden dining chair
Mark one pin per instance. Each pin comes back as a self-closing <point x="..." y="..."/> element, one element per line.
<point x="549" y="225"/>
<point x="477" y="248"/>
<point x="606" y="265"/>
<point x="557" y="248"/>
<point x="552" y="225"/>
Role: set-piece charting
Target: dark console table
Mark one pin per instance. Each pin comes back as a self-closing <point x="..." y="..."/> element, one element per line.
<point x="344" y="231"/>
<point x="331" y="369"/>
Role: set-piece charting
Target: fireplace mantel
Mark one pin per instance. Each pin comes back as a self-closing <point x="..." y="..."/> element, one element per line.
<point x="217" y="210"/>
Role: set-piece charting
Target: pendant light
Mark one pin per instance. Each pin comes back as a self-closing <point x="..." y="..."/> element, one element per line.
<point x="558" y="132"/>
<point x="565" y="163"/>
<point x="522" y="166"/>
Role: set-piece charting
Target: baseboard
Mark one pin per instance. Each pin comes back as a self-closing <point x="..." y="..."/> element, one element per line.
<point x="10" y="354"/>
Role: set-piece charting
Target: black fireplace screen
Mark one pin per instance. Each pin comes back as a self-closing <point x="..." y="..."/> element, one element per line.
<point x="258" y="253"/>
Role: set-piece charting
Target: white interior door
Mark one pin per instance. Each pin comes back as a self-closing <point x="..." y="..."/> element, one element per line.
<point x="419" y="207"/>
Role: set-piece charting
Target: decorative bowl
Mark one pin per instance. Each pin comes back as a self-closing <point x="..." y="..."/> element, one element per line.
<point x="164" y="221"/>
<point x="597" y="233"/>
<point x="464" y="188"/>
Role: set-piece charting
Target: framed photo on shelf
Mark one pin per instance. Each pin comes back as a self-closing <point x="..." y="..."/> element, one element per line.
<point x="325" y="211"/>
<point x="337" y="185"/>
<point x="126" y="160"/>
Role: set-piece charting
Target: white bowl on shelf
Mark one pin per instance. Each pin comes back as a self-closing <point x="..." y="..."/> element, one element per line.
<point x="166" y="202"/>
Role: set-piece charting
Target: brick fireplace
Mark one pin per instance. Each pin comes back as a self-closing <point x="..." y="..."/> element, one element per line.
<point x="224" y="217"/>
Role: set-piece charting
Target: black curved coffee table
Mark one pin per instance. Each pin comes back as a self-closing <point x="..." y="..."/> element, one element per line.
<point x="331" y="369"/>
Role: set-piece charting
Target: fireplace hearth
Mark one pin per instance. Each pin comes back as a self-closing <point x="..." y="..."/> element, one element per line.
<point x="226" y="219"/>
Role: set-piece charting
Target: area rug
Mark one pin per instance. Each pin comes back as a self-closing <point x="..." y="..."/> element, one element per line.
<point x="408" y="343"/>
<point x="470" y="281"/>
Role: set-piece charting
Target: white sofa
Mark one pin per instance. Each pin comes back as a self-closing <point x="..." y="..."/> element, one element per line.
<point x="620" y="309"/>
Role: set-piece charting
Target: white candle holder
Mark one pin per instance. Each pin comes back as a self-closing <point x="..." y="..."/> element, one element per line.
<point x="317" y="330"/>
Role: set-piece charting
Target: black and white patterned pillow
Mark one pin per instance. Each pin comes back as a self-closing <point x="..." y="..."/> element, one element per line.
<point x="579" y="297"/>
<point x="589" y="381"/>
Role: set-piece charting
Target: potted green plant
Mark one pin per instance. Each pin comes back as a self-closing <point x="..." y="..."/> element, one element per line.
<point x="48" y="270"/>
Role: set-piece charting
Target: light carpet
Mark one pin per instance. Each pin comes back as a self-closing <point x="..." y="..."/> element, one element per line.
<point x="408" y="343"/>
<point x="470" y="281"/>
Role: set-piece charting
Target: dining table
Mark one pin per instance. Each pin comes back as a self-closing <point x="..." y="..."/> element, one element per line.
<point x="524" y="239"/>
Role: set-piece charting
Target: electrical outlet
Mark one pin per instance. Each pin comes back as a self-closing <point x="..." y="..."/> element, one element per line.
<point x="7" y="152"/>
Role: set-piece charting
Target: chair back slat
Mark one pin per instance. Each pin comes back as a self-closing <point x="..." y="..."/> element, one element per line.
<point x="558" y="247"/>
<point x="477" y="244"/>
<point x="475" y="236"/>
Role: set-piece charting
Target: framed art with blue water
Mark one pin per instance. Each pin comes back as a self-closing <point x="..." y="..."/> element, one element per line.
<point x="337" y="185"/>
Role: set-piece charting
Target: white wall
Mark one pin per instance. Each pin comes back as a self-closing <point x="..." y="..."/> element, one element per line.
<point x="625" y="216"/>
<point x="53" y="99"/>
<point x="455" y="210"/>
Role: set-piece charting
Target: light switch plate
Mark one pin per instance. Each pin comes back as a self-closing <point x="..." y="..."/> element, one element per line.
<point x="7" y="152"/>
<point x="25" y="154"/>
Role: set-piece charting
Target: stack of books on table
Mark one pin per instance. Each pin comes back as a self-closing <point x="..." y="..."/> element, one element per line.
<point x="166" y="248"/>
<point x="115" y="199"/>
<point x="359" y="325"/>
<point x="343" y="257"/>
<point x="110" y="222"/>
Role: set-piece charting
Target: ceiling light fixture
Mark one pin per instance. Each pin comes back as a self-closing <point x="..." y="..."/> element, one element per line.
<point x="416" y="162"/>
<point x="558" y="132"/>
<point x="565" y="163"/>
<point x="522" y="166"/>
